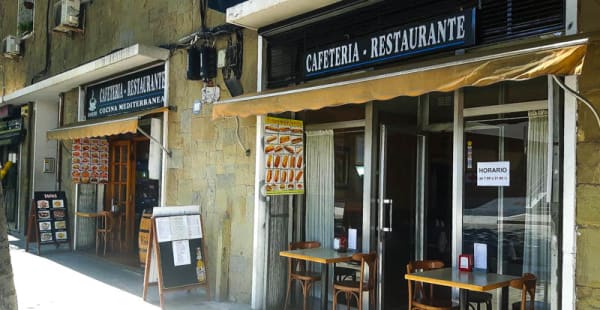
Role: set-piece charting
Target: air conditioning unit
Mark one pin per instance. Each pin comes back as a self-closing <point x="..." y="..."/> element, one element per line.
<point x="11" y="46"/>
<point x="66" y="15"/>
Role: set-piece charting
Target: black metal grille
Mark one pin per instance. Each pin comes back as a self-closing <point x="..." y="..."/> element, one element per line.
<point x="505" y="20"/>
<point x="497" y="20"/>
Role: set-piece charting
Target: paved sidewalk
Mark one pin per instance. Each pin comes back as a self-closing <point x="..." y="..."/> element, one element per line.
<point x="64" y="280"/>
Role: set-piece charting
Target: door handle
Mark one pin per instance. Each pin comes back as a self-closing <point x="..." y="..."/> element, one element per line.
<point x="390" y="204"/>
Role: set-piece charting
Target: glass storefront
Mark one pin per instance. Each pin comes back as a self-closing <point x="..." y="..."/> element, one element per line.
<point x="413" y="210"/>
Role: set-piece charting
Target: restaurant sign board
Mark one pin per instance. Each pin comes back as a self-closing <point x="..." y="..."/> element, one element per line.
<point x="495" y="173"/>
<point x="442" y="33"/>
<point x="141" y="90"/>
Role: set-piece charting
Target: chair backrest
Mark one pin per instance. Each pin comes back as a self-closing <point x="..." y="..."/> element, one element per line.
<point x="367" y="261"/>
<point x="105" y="219"/>
<point x="417" y="287"/>
<point x="298" y="265"/>
<point x="527" y="286"/>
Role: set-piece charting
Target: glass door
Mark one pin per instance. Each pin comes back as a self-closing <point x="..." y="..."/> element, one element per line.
<point x="396" y="213"/>
<point x="413" y="214"/>
<point x="506" y="194"/>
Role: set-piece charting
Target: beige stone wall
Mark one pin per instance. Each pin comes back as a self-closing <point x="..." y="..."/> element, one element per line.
<point x="588" y="167"/>
<point x="208" y="166"/>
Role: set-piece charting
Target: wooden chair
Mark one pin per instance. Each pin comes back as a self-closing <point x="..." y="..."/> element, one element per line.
<point x="104" y="230"/>
<point x="479" y="298"/>
<point x="418" y="298"/>
<point x="357" y="288"/>
<point x="527" y="286"/>
<point x="297" y="270"/>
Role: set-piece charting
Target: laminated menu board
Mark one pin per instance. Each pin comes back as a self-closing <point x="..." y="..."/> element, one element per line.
<point x="48" y="219"/>
<point x="89" y="161"/>
<point x="284" y="156"/>
<point x="176" y="250"/>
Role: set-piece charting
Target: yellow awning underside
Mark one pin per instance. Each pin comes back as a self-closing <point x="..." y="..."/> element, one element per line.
<point x="557" y="59"/>
<point x="120" y="124"/>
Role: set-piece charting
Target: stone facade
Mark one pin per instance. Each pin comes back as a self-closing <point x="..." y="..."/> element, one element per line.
<point x="208" y="166"/>
<point x="588" y="166"/>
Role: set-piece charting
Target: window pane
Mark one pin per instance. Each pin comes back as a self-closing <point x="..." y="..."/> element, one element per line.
<point x="482" y="96"/>
<point x="536" y="89"/>
<point x="348" y="176"/>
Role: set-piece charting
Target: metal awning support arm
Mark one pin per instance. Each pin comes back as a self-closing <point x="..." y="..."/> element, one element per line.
<point x="169" y="153"/>
<point x="578" y="96"/>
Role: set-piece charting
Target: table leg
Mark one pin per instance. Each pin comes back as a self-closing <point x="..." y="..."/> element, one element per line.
<point x="324" y="285"/>
<point x="504" y="299"/>
<point x="462" y="299"/>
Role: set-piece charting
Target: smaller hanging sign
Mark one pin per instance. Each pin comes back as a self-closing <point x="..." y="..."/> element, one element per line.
<point x="495" y="173"/>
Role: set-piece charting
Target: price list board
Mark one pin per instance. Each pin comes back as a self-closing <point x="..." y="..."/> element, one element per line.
<point x="48" y="219"/>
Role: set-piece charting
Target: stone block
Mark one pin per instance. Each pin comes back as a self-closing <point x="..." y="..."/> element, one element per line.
<point x="588" y="247"/>
<point x="588" y="163"/>
<point x="243" y="288"/>
<point x="176" y="160"/>
<point x="588" y="197"/>
<point x="588" y="298"/>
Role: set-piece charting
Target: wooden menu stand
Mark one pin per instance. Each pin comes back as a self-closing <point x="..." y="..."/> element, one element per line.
<point x="33" y="231"/>
<point x="160" y="268"/>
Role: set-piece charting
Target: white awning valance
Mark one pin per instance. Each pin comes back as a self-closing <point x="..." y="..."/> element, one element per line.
<point x="117" y="62"/>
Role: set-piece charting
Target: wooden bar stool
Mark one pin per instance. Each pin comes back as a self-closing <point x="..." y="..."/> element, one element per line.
<point x="298" y="270"/>
<point x="527" y="286"/>
<point x="355" y="289"/>
<point x="418" y="298"/>
<point x="103" y="230"/>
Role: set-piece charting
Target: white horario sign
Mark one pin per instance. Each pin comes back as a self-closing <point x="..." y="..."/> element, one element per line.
<point x="495" y="173"/>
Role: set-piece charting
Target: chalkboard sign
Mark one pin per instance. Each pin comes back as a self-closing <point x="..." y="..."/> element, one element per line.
<point x="48" y="220"/>
<point x="182" y="275"/>
<point x="176" y="251"/>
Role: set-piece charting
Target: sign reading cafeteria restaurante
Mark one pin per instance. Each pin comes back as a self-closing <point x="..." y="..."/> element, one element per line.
<point x="134" y="92"/>
<point x="442" y="33"/>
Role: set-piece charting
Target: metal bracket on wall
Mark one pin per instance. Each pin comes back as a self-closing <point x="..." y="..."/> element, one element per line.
<point x="169" y="153"/>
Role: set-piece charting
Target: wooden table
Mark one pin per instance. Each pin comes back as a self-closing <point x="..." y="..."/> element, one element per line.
<point x="479" y="281"/>
<point x="87" y="214"/>
<point x="324" y="256"/>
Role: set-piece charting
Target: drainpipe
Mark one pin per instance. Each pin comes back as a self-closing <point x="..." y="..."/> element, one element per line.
<point x="3" y="84"/>
<point x="61" y="111"/>
<point x="29" y="167"/>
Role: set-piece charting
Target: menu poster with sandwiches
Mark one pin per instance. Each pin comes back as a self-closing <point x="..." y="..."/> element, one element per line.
<point x="90" y="161"/>
<point x="51" y="213"/>
<point x="283" y="142"/>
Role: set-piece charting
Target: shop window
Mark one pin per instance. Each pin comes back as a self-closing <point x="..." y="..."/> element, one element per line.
<point x="441" y="107"/>
<point x="348" y="112"/>
<point x="25" y="18"/>
<point x="482" y="96"/>
<point x="348" y="176"/>
<point x="507" y="92"/>
<point x="531" y="90"/>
